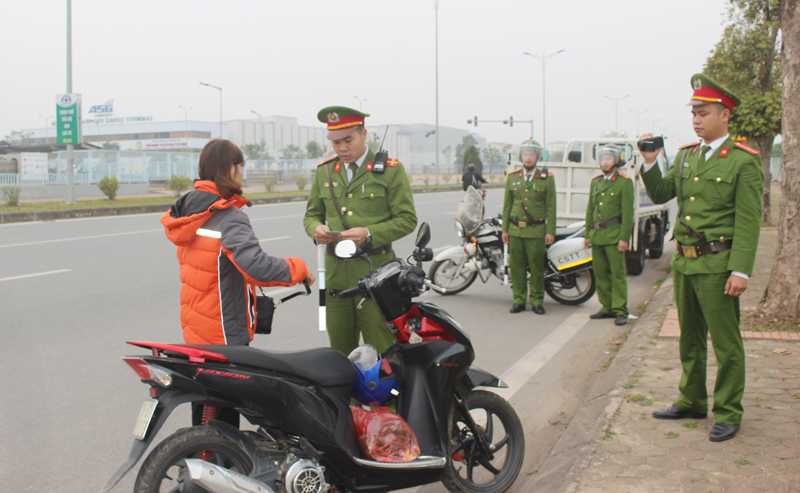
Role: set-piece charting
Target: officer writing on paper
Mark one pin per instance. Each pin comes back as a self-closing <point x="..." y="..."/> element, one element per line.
<point x="609" y="225"/>
<point x="354" y="197"/>
<point x="718" y="184"/>
<point x="529" y="224"/>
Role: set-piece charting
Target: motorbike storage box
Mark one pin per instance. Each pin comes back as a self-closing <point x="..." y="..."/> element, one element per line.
<point x="569" y="256"/>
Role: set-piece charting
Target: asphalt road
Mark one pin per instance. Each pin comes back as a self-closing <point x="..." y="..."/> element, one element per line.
<point x="74" y="291"/>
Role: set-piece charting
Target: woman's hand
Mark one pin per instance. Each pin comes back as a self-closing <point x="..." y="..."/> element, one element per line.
<point x="310" y="279"/>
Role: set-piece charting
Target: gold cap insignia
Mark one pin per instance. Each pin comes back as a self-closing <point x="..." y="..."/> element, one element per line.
<point x="698" y="84"/>
<point x="333" y="117"/>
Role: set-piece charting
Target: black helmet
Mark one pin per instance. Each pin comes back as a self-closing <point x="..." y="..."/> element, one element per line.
<point x="471" y="167"/>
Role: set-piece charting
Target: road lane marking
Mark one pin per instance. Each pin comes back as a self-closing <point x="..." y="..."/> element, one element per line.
<point x="530" y="364"/>
<point x="82" y="238"/>
<point x="35" y="275"/>
<point x="273" y="239"/>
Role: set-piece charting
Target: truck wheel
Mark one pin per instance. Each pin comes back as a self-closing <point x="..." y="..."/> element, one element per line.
<point x="634" y="260"/>
<point x="658" y="251"/>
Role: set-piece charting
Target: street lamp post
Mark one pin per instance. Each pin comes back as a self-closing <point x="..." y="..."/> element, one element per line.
<point x="186" y="121"/>
<point x="638" y="114"/>
<point x="359" y="102"/>
<point x="260" y="124"/>
<point x="220" y="105"/>
<point x="70" y="147"/>
<point x="616" y="110"/>
<point x="436" y="18"/>
<point x="544" y="59"/>
<point x="654" y="123"/>
<point x="46" y="133"/>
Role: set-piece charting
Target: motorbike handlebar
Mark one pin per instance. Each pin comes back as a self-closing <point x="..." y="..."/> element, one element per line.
<point x="435" y="287"/>
<point x="349" y="293"/>
<point x="415" y="279"/>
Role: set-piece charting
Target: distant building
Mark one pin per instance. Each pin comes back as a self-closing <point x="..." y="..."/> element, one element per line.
<point x="422" y="143"/>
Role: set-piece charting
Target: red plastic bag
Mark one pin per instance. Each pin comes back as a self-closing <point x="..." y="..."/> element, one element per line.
<point x="383" y="435"/>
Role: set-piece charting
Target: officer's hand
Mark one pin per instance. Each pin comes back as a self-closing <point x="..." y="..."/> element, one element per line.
<point x="586" y="243"/>
<point x="622" y="246"/>
<point x="310" y="279"/>
<point x="649" y="157"/>
<point x="549" y="239"/>
<point x="357" y="234"/>
<point x="736" y="285"/>
<point x="321" y="236"/>
<point x="505" y="237"/>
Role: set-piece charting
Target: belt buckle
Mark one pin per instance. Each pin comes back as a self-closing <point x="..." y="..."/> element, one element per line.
<point x="689" y="252"/>
<point x="522" y="224"/>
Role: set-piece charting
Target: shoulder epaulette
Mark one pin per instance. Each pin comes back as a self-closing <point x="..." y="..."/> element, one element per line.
<point x="598" y="176"/>
<point x="327" y="160"/>
<point x="748" y="149"/>
<point x="689" y="145"/>
<point x="624" y="176"/>
<point x="549" y="175"/>
<point x="392" y="163"/>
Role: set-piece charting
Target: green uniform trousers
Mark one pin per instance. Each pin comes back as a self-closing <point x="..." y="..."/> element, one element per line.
<point x="346" y="324"/>
<point x="610" y="279"/>
<point x="704" y="307"/>
<point x="527" y="253"/>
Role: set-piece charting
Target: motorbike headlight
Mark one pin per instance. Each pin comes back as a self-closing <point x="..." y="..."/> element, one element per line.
<point x="459" y="229"/>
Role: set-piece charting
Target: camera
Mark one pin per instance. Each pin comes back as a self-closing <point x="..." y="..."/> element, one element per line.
<point x="651" y="145"/>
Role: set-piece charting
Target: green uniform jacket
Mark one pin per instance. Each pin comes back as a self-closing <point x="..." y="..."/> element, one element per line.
<point x="381" y="202"/>
<point x="721" y="200"/>
<point x="614" y="199"/>
<point x="539" y="196"/>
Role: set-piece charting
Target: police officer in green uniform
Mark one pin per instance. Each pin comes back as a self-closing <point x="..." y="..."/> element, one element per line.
<point x="718" y="184"/>
<point x="609" y="225"/>
<point x="529" y="224"/>
<point x="352" y="198"/>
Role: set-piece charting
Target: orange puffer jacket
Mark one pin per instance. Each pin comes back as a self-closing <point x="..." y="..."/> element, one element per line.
<point x="221" y="265"/>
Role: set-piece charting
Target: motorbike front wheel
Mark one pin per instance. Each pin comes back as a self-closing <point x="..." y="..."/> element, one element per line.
<point x="160" y="472"/>
<point x="443" y="274"/>
<point x="571" y="289"/>
<point x="468" y="469"/>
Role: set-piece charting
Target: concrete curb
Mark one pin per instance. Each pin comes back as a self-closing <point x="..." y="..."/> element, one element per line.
<point x="19" y="217"/>
<point x="574" y="450"/>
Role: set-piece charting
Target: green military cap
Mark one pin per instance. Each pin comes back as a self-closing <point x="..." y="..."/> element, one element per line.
<point x="341" y="120"/>
<point x="708" y="91"/>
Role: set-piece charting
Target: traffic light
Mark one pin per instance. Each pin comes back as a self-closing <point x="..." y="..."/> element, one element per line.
<point x="510" y="121"/>
<point x="476" y="120"/>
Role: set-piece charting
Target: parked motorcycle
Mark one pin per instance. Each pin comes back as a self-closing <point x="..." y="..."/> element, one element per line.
<point x="471" y="440"/>
<point x="568" y="275"/>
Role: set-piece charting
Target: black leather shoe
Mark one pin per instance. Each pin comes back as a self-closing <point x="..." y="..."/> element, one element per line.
<point x="516" y="308"/>
<point x="600" y="314"/>
<point x="723" y="431"/>
<point x="621" y="320"/>
<point x="674" y="412"/>
<point x="538" y="309"/>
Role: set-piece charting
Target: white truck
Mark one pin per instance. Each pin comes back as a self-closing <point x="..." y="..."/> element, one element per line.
<point x="573" y="178"/>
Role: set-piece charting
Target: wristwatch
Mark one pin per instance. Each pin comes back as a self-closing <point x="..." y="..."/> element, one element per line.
<point x="369" y="237"/>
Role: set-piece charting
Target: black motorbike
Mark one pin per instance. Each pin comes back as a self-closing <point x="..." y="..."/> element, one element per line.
<point x="471" y="440"/>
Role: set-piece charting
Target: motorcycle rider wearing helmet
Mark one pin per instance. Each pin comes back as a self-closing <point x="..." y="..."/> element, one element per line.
<point x="609" y="226"/>
<point x="529" y="225"/>
<point x="472" y="177"/>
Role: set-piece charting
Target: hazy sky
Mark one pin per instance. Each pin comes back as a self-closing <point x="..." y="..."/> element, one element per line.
<point x="294" y="57"/>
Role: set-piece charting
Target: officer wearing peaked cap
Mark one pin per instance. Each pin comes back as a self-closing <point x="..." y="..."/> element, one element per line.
<point x="372" y="206"/>
<point x="529" y="224"/>
<point x="718" y="184"/>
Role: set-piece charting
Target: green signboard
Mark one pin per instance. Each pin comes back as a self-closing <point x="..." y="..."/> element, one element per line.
<point x="68" y="126"/>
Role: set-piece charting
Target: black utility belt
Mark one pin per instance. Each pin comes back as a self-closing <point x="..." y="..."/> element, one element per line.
<point x="707" y="249"/>
<point x="525" y="224"/>
<point x="369" y="251"/>
<point x="605" y="224"/>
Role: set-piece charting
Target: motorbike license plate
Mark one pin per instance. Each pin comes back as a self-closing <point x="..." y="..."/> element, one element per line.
<point x="143" y="420"/>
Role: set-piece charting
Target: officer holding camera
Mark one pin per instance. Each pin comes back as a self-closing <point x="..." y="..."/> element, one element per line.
<point x="718" y="184"/>
<point x="609" y="225"/>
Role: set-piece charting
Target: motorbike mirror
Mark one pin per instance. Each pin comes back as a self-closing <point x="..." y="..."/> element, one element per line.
<point x="423" y="235"/>
<point x="347" y="249"/>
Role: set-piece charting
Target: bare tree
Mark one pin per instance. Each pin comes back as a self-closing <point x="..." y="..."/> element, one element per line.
<point x="782" y="296"/>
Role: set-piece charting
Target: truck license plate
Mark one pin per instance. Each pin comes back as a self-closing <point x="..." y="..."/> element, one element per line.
<point x="143" y="420"/>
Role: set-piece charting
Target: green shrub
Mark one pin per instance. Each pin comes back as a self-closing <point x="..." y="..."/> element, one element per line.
<point x="269" y="184"/>
<point x="446" y="178"/>
<point x="109" y="186"/>
<point x="426" y="179"/>
<point x="179" y="184"/>
<point x="11" y="194"/>
<point x="301" y="181"/>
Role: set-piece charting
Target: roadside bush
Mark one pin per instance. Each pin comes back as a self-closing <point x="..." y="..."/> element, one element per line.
<point x="11" y="194"/>
<point x="269" y="184"/>
<point x="301" y="181"/>
<point x="109" y="186"/>
<point x="179" y="184"/>
<point x="446" y="178"/>
<point x="426" y="179"/>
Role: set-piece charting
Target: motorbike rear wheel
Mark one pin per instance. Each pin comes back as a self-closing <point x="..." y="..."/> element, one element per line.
<point x="571" y="289"/>
<point x="443" y="272"/>
<point x="160" y="472"/>
<point x="468" y="469"/>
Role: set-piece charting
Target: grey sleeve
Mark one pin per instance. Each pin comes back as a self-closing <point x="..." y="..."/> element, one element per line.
<point x="238" y="238"/>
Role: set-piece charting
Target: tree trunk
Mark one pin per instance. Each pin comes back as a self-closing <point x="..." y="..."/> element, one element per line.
<point x="782" y="296"/>
<point x="765" y="146"/>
